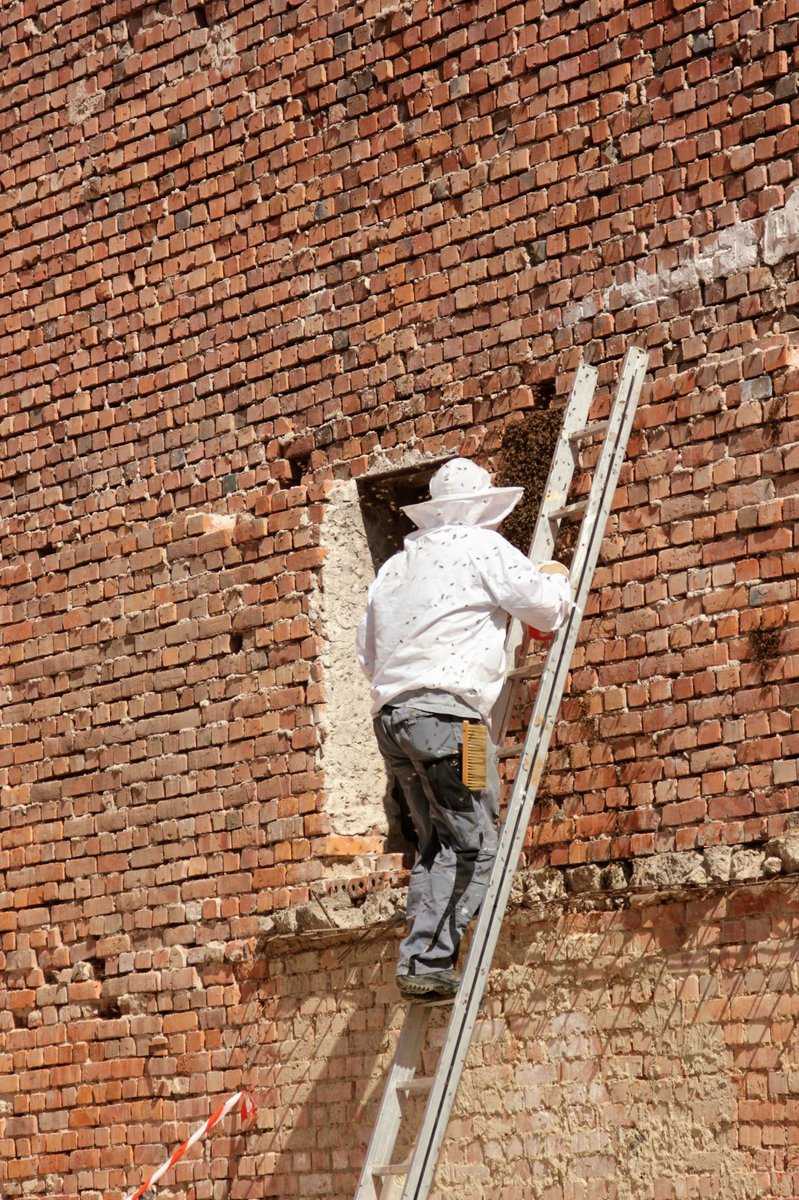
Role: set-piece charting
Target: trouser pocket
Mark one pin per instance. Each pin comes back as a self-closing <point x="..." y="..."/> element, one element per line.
<point x="451" y="792"/>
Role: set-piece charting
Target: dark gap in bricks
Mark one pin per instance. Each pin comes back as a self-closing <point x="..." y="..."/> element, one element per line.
<point x="97" y="965"/>
<point x="765" y="645"/>
<point x="298" y="465"/>
<point x="526" y="454"/>
<point x="236" y="642"/>
<point x="20" y="1020"/>
<point x="109" y="1009"/>
<point x="382" y="499"/>
<point x="203" y="18"/>
<point x="771" y="414"/>
<point x="134" y="23"/>
<point x="501" y="119"/>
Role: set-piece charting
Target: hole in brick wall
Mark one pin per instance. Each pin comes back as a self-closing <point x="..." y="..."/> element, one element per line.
<point x="134" y="23"/>
<point x="97" y="965"/>
<point x="501" y="120"/>
<point x="203" y="18"/>
<point x="109" y="1009"/>
<point x="382" y="498"/>
<point x="298" y="465"/>
<point x="527" y="449"/>
<point x="236" y="642"/>
<point x="765" y="645"/>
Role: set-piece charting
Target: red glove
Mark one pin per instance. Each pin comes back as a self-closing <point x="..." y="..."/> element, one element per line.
<point x="547" y="568"/>
<point x="538" y="636"/>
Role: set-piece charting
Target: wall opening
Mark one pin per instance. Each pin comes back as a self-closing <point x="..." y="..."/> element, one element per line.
<point x="382" y="498"/>
<point x="363" y="526"/>
<point x="528" y="445"/>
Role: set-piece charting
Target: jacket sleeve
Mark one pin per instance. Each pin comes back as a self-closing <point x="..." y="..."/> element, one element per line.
<point x="516" y="586"/>
<point x="364" y="644"/>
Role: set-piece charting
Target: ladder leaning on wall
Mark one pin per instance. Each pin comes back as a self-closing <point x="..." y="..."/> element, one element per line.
<point x="411" y="1178"/>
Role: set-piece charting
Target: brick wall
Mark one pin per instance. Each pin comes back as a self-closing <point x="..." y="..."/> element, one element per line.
<point x="252" y="250"/>
<point x="650" y="1052"/>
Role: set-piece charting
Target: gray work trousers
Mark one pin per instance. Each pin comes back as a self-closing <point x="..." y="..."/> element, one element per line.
<point x="456" y="827"/>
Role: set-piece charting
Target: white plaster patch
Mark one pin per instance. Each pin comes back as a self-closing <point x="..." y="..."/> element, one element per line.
<point x="220" y="50"/>
<point x="609" y="1085"/>
<point x="582" y="310"/>
<point x="731" y="250"/>
<point x="781" y="231"/>
<point x="82" y="104"/>
<point x="355" y="778"/>
<point x="725" y="253"/>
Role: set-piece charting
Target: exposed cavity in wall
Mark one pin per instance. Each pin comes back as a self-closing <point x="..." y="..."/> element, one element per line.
<point x="355" y="779"/>
<point x="364" y="525"/>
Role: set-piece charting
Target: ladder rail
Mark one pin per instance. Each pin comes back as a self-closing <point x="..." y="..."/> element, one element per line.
<point x="556" y="491"/>
<point x="545" y="710"/>
<point x="381" y="1179"/>
<point x="389" y="1119"/>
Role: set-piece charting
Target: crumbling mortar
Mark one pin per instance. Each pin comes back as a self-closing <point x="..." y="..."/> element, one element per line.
<point x="550" y="891"/>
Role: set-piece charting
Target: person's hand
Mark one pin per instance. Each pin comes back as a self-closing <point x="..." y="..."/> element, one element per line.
<point x="547" y="568"/>
<point x="553" y="568"/>
<point x="538" y="636"/>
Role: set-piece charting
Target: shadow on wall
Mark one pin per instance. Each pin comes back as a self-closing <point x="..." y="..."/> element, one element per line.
<point x="331" y="1018"/>
<point x="618" y="1055"/>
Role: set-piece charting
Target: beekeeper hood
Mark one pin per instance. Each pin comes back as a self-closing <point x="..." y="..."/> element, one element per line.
<point x="461" y="493"/>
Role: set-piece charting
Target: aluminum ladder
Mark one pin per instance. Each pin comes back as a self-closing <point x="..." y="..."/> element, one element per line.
<point x="412" y="1178"/>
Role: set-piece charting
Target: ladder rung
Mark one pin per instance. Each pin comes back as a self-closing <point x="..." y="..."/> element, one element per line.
<point x="589" y="430"/>
<point x="527" y="671"/>
<point x="571" y="510"/>
<point x="397" y="1168"/>
<point x="420" y="1083"/>
<point x="512" y="751"/>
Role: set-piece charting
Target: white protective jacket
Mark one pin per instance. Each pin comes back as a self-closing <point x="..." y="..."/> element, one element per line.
<point x="437" y="612"/>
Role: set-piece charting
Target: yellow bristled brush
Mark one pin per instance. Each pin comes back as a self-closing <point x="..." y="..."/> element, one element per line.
<point x="475" y="747"/>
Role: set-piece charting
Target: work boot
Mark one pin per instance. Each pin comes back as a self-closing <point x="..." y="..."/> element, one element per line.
<point x="432" y="983"/>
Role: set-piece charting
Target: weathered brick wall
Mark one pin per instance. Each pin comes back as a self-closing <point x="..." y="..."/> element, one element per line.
<point x="645" y="1053"/>
<point x="247" y="251"/>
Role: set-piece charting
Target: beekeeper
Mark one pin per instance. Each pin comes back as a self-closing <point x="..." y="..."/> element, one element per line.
<point x="432" y="644"/>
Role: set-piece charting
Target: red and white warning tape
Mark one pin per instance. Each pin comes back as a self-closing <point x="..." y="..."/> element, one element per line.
<point x="247" y="1108"/>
